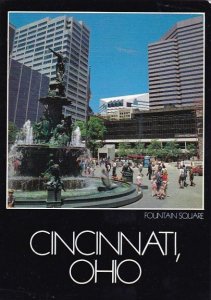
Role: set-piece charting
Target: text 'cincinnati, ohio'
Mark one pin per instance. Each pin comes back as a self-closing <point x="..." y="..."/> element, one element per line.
<point x="43" y="243"/>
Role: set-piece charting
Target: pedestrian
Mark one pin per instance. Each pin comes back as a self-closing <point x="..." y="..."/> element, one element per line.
<point x="114" y="169"/>
<point x="181" y="178"/>
<point x="108" y="166"/>
<point x="139" y="182"/>
<point x="149" y="170"/>
<point x="160" y="168"/>
<point x="161" y="193"/>
<point x="154" y="186"/>
<point x="158" y="181"/>
<point x="92" y="171"/>
<point x="191" y="176"/>
<point x="165" y="180"/>
<point x="11" y="198"/>
<point x="185" y="175"/>
<point x="153" y="169"/>
<point x="127" y="173"/>
<point x="140" y="167"/>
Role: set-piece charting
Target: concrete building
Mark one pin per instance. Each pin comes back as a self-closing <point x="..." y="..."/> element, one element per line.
<point x="117" y="107"/>
<point x="26" y="86"/>
<point x="31" y="48"/>
<point x="108" y="152"/>
<point x="120" y="114"/>
<point x="176" y="66"/>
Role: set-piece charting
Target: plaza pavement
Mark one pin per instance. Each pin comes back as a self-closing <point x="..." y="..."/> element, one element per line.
<point x="187" y="198"/>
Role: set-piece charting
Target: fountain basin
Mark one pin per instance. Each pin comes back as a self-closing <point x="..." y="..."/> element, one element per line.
<point x="29" y="184"/>
<point x="88" y="197"/>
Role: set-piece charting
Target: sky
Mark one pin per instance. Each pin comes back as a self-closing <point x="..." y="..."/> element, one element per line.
<point x="118" y="47"/>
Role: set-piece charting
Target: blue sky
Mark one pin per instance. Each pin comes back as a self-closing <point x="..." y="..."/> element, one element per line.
<point x="118" y="48"/>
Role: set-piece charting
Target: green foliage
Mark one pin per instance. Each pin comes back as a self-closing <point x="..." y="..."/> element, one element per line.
<point x="154" y="148"/>
<point x="12" y="132"/>
<point x="192" y="149"/>
<point x="172" y="149"/>
<point x="139" y="149"/>
<point x="93" y="132"/>
<point x="124" y="149"/>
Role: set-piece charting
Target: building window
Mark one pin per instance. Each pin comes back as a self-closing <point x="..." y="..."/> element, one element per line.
<point x="60" y="22"/>
<point x="59" y="32"/>
<point x="51" y="25"/>
<point x="41" y="24"/>
<point x="59" y="27"/>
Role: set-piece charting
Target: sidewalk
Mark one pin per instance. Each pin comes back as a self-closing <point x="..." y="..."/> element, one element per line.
<point x="187" y="198"/>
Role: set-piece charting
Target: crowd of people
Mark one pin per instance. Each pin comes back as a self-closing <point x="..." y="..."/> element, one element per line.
<point x="157" y="174"/>
<point x="129" y="170"/>
<point x="183" y="174"/>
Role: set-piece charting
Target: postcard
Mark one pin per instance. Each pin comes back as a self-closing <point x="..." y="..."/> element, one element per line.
<point x="106" y="171"/>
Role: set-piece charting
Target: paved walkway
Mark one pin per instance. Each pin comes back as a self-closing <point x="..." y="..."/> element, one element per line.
<point x="187" y="198"/>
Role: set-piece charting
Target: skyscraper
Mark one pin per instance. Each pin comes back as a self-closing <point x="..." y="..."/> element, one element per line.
<point x="176" y="66"/>
<point x="31" y="47"/>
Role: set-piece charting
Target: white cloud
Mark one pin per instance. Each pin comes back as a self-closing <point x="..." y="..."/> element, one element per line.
<point x="127" y="50"/>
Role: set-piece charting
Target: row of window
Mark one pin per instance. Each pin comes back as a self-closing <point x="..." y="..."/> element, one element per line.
<point x="184" y="69"/>
<point x="186" y="65"/>
<point x="163" y="81"/>
<point x="39" y="34"/>
<point x="43" y="25"/>
<point x="177" y="90"/>
<point x="164" y="56"/>
<point x="185" y="29"/>
<point x="175" y="85"/>
<point x="162" y="44"/>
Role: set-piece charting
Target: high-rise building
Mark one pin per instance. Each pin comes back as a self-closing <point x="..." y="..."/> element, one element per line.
<point x="31" y="47"/>
<point x="176" y="66"/>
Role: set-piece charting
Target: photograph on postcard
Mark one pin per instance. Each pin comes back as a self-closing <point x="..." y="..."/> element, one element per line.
<point x="105" y="110"/>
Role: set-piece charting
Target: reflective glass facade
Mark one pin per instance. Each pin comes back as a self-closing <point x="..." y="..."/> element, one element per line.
<point x="26" y="86"/>
<point x="155" y="124"/>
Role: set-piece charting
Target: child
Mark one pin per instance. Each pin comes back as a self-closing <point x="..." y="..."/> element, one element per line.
<point x="161" y="194"/>
<point x="139" y="182"/>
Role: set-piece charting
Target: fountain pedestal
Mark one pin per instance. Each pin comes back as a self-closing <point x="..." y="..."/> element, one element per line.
<point x="54" y="198"/>
<point x="54" y="108"/>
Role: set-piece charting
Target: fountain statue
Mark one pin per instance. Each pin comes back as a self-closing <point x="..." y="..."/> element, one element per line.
<point x="50" y="138"/>
<point x="50" y="150"/>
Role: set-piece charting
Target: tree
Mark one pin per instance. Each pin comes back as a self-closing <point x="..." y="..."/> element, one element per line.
<point x="123" y="149"/>
<point x="154" y="147"/>
<point x="172" y="150"/>
<point x="12" y="132"/>
<point x="139" y="148"/>
<point x="192" y="149"/>
<point x="93" y="132"/>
